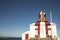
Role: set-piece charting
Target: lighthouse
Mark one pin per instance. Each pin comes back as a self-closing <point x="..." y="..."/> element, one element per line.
<point x="42" y="29"/>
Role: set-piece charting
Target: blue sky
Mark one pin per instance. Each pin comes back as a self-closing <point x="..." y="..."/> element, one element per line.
<point x="16" y="15"/>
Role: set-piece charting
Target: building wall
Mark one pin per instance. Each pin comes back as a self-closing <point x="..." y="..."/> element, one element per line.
<point x="50" y="31"/>
<point x="54" y="30"/>
<point x="42" y="30"/>
<point x="24" y="35"/>
<point x="33" y="32"/>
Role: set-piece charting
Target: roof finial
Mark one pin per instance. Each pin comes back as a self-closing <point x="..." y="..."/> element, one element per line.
<point x="42" y="16"/>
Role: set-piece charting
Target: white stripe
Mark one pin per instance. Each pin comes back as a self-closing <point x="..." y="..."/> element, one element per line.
<point x="42" y="30"/>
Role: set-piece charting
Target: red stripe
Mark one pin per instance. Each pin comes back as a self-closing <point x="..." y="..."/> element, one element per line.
<point x="47" y="24"/>
<point x="26" y="36"/>
<point x="38" y="28"/>
<point x="49" y="28"/>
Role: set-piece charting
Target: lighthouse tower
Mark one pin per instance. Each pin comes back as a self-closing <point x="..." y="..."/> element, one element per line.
<point x="41" y="30"/>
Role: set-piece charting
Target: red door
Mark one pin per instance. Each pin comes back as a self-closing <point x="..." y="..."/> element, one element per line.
<point x="26" y="36"/>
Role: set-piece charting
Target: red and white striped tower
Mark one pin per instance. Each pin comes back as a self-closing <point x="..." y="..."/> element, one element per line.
<point x="41" y="29"/>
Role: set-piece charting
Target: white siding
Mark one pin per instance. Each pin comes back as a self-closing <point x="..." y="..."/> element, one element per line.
<point x="32" y="31"/>
<point x="49" y="27"/>
<point x="36" y="32"/>
<point x="42" y="34"/>
<point x="49" y="32"/>
<point x="54" y="31"/>
<point x="42" y="25"/>
<point x="42" y="30"/>
<point x="23" y="35"/>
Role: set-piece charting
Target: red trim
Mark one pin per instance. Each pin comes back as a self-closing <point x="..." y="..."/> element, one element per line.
<point x="49" y="28"/>
<point x="38" y="28"/>
<point x="47" y="24"/>
<point x="26" y="36"/>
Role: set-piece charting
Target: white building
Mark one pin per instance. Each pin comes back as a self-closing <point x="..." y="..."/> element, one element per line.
<point x="42" y="29"/>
